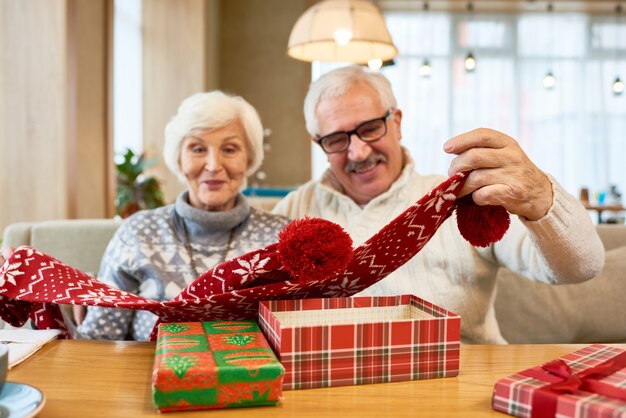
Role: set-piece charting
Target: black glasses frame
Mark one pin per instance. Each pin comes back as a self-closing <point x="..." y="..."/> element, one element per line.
<point x="355" y="131"/>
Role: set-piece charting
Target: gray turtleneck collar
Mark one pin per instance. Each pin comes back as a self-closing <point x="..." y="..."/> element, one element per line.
<point x="202" y="222"/>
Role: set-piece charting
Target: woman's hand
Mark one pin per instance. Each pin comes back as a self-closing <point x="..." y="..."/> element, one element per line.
<point x="79" y="312"/>
<point x="5" y="253"/>
<point x="501" y="173"/>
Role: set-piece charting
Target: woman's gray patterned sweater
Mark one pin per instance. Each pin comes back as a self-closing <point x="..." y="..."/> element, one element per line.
<point x="147" y="256"/>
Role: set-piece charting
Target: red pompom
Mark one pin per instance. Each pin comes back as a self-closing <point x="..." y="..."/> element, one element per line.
<point x="314" y="248"/>
<point x="481" y="225"/>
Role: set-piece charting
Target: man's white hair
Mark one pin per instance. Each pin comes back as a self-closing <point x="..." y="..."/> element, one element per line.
<point x="336" y="83"/>
<point x="210" y="110"/>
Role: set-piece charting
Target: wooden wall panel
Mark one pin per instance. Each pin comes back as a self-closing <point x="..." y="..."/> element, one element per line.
<point x="91" y="152"/>
<point x="51" y="163"/>
<point x="174" y="67"/>
<point x="254" y="64"/>
<point x="33" y="124"/>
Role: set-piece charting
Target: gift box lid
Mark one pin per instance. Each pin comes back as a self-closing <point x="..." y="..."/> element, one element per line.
<point x="587" y="383"/>
<point x="216" y="364"/>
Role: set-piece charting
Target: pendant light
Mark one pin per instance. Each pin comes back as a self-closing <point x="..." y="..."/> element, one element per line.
<point x="375" y="64"/>
<point x="470" y="60"/>
<point x="342" y="30"/>
<point x="425" y="70"/>
<point x="549" y="81"/>
<point x="618" y="84"/>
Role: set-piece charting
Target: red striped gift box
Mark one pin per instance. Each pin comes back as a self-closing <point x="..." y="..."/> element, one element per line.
<point x="588" y="383"/>
<point x="361" y="340"/>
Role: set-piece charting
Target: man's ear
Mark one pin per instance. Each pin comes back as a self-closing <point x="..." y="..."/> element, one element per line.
<point x="397" y="120"/>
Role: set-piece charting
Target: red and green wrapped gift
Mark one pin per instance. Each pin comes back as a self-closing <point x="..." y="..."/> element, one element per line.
<point x="588" y="383"/>
<point x="217" y="364"/>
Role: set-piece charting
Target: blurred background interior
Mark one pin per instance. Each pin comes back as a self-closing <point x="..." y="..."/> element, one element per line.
<point x="82" y="82"/>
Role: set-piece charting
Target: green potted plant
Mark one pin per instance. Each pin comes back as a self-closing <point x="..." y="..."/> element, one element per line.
<point x="135" y="190"/>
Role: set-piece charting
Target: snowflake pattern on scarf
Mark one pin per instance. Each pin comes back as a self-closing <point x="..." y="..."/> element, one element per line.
<point x="34" y="283"/>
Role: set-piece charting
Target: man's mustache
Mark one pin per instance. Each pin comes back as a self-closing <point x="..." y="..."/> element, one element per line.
<point x="367" y="163"/>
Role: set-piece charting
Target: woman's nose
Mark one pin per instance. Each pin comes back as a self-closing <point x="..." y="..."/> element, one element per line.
<point x="212" y="162"/>
<point x="358" y="150"/>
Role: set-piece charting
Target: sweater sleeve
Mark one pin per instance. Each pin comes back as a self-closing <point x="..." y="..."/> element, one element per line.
<point x="561" y="247"/>
<point x="568" y="239"/>
<point x="108" y="323"/>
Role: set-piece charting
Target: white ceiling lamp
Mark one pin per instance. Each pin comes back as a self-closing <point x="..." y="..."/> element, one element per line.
<point x="618" y="84"/>
<point x="342" y="30"/>
<point x="470" y="62"/>
<point x="549" y="80"/>
<point x="425" y="70"/>
<point x="470" y="59"/>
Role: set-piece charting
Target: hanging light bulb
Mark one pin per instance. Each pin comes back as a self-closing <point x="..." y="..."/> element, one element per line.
<point x="425" y="71"/>
<point x="618" y="86"/>
<point x="549" y="81"/>
<point x="470" y="62"/>
<point x="375" y="64"/>
<point x="342" y="36"/>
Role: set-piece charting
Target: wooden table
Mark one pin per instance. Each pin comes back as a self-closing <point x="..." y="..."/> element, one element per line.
<point x="603" y="208"/>
<point x="112" y="379"/>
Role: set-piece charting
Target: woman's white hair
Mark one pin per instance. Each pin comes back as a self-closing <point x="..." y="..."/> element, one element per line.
<point x="210" y="110"/>
<point x="336" y="83"/>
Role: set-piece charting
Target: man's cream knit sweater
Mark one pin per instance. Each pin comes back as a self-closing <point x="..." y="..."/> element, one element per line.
<point x="561" y="247"/>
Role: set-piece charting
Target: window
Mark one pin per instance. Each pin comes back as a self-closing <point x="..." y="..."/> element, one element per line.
<point x="127" y="87"/>
<point x="576" y="131"/>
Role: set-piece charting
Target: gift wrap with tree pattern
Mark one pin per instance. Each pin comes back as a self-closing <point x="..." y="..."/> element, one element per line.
<point x="216" y="364"/>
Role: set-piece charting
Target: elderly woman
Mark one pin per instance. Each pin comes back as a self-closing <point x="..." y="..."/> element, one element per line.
<point x="212" y="143"/>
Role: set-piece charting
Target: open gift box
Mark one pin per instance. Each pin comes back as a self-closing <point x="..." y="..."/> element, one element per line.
<point x="361" y="340"/>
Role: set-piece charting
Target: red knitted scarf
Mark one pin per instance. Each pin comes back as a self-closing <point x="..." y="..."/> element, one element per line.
<point x="313" y="258"/>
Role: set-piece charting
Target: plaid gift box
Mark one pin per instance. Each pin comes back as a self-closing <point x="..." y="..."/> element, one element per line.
<point x="219" y="364"/>
<point x="360" y="340"/>
<point x="588" y="383"/>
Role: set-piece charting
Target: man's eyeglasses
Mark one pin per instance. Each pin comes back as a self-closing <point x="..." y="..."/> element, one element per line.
<point x="369" y="131"/>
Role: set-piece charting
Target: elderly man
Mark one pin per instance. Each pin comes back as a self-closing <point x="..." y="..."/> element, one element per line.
<point x="352" y="114"/>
